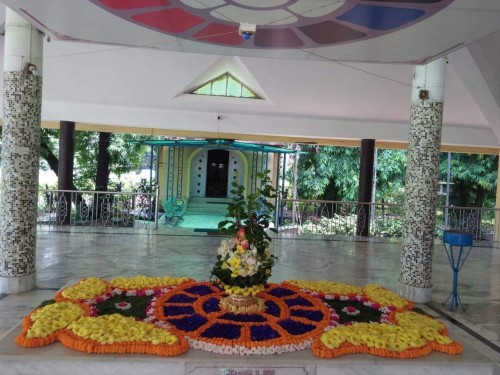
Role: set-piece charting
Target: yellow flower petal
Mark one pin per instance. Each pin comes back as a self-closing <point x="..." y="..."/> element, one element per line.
<point x="85" y="289"/>
<point x="53" y="317"/>
<point x="117" y="328"/>
<point x="142" y="281"/>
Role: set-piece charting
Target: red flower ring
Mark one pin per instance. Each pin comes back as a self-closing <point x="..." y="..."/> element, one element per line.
<point x="294" y="24"/>
<point x="291" y="321"/>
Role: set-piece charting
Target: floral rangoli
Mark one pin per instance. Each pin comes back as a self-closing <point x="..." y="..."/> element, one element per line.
<point x="166" y="316"/>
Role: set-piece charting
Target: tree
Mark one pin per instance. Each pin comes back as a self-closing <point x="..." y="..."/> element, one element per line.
<point x="328" y="172"/>
<point x="103" y="161"/>
<point x="474" y="179"/>
<point x="48" y="149"/>
<point x="103" y="152"/>
<point x="332" y="173"/>
<point x="391" y="170"/>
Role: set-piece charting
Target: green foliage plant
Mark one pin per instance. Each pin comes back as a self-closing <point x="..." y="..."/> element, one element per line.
<point x="345" y="225"/>
<point x="244" y="259"/>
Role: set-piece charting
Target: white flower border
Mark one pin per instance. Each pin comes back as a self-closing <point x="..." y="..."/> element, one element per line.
<point x="242" y="350"/>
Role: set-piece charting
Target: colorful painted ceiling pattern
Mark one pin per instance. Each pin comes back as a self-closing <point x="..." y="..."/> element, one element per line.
<point x="280" y="23"/>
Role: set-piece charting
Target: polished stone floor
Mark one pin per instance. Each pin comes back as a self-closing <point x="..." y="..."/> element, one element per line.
<point x="63" y="257"/>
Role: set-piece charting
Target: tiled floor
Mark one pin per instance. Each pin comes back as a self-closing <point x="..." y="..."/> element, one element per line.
<point x="63" y="257"/>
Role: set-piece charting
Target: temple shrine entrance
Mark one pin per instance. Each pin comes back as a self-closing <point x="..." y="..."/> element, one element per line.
<point x="217" y="174"/>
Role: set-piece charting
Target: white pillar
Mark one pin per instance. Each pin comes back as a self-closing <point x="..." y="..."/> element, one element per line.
<point x="421" y="183"/>
<point x="20" y="152"/>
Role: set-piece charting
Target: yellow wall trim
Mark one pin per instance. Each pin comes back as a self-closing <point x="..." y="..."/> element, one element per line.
<point x="264" y="138"/>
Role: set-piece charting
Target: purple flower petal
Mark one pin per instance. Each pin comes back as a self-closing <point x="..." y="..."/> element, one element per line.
<point x="211" y="305"/>
<point x="315" y="316"/>
<point x="295" y="328"/>
<point x="200" y="290"/>
<point x="299" y="301"/>
<point x="272" y="309"/>
<point x="281" y="292"/>
<point x="188" y="323"/>
<point x="244" y="317"/>
<point x="224" y="331"/>
<point x="177" y="310"/>
<point x="181" y="298"/>
<point x="262" y="333"/>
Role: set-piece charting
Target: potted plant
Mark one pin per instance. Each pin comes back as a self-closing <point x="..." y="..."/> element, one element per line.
<point x="244" y="261"/>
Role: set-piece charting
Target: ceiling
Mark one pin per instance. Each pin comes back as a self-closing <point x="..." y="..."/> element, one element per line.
<point x="325" y="68"/>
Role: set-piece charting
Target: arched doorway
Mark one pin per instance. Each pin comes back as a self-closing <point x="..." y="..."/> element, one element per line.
<point x="213" y="171"/>
<point x="217" y="173"/>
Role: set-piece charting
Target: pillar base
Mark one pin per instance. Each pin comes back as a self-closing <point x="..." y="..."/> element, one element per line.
<point x="415" y="294"/>
<point x="17" y="284"/>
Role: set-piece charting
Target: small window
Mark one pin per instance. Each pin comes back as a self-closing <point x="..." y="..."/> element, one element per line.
<point x="225" y="85"/>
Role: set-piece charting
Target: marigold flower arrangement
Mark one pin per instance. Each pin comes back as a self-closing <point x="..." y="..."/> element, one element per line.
<point x="244" y="262"/>
<point x="165" y="315"/>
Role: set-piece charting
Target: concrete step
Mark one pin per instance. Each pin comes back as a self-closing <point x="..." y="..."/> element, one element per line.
<point x="204" y="206"/>
<point x="220" y="210"/>
<point x="209" y="200"/>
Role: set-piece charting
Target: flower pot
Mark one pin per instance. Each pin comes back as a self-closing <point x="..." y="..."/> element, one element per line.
<point x="240" y="300"/>
<point x="240" y="304"/>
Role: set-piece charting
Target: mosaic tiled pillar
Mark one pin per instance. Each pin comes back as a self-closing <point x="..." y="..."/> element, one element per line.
<point x="421" y="183"/>
<point x="20" y="153"/>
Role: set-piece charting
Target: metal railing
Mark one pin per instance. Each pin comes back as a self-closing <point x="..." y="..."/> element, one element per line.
<point x="386" y="220"/>
<point x="97" y="209"/>
<point x="476" y="220"/>
<point x="140" y="210"/>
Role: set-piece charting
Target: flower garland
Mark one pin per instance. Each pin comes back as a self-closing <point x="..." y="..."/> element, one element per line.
<point x="290" y="321"/>
<point x="249" y="291"/>
<point x="164" y="316"/>
<point x="386" y="297"/>
<point x="371" y="292"/>
<point x="416" y="335"/>
<point x="146" y="282"/>
<point x="327" y="287"/>
<point x="84" y="289"/>
<point x="399" y="333"/>
<point x="42" y="326"/>
<point x="118" y="334"/>
<point x="72" y="318"/>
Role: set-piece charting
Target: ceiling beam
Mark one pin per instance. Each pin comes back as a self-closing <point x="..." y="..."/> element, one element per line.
<point x="263" y="138"/>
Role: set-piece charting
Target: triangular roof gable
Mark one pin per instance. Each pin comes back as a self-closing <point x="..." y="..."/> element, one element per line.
<point x="225" y="85"/>
<point x="233" y="66"/>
